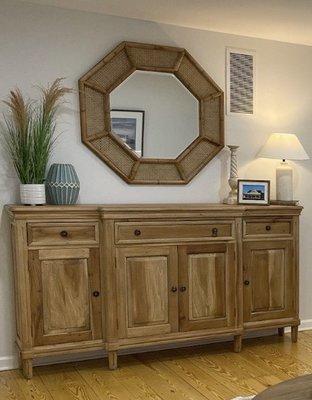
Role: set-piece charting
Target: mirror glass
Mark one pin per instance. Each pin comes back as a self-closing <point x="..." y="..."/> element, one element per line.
<point x="154" y="114"/>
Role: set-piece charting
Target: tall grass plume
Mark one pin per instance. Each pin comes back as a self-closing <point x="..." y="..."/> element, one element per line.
<point x="29" y="130"/>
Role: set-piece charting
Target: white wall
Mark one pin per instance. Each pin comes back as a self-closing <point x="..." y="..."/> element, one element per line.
<point x="171" y="111"/>
<point x="38" y="44"/>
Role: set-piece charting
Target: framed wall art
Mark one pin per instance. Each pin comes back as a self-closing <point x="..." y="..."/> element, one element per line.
<point x="128" y="125"/>
<point x="255" y="192"/>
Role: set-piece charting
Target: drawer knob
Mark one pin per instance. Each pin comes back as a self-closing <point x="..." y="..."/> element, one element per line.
<point x="174" y="289"/>
<point x="64" y="233"/>
<point x="246" y="283"/>
<point x="137" y="232"/>
<point x="96" y="293"/>
<point x="214" y="232"/>
<point x="182" y="289"/>
<point x="268" y="227"/>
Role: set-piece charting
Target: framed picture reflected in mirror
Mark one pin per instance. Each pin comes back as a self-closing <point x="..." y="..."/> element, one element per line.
<point x="128" y="125"/>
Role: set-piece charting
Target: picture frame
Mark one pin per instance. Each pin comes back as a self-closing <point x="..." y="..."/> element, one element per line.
<point x="253" y="191"/>
<point x="128" y="125"/>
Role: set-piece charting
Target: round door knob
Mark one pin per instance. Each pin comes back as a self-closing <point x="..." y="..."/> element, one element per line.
<point x="137" y="232"/>
<point x="174" y="289"/>
<point x="182" y="289"/>
<point x="64" y="233"/>
<point x="214" y="232"/>
<point x="246" y="283"/>
<point x="268" y="227"/>
<point x="96" y="293"/>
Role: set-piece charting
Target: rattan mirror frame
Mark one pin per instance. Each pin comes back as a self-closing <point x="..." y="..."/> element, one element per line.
<point x="96" y="85"/>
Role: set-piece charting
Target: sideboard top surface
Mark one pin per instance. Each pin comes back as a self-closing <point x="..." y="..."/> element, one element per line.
<point x="112" y="211"/>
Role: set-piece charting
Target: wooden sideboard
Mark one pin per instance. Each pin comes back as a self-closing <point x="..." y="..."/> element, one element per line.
<point x="127" y="276"/>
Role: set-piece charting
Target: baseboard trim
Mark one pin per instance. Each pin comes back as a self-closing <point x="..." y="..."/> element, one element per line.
<point x="9" y="362"/>
<point x="12" y="362"/>
<point x="305" y="325"/>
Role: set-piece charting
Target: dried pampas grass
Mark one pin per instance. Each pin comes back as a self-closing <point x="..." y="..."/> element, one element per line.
<point x="29" y="130"/>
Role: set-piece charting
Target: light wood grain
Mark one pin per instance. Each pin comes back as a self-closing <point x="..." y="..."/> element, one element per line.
<point x="162" y="232"/>
<point x="270" y="277"/>
<point x="62" y="234"/>
<point x="65" y="383"/>
<point x="62" y="282"/>
<point x="179" y="279"/>
<point x="206" y="282"/>
<point x="84" y="212"/>
<point x="207" y="285"/>
<point x="146" y="277"/>
<point x="269" y="227"/>
<point x="27" y="367"/>
<point x="210" y="372"/>
<point x="65" y="296"/>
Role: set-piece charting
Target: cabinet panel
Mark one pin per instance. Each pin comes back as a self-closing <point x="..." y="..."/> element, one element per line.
<point x="147" y="279"/>
<point x="269" y="273"/>
<point x="132" y="232"/>
<point x="267" y="269"/>
<point x="61" y="234"/>
<point x="268" y="227"/>
<point x="64" y="308"/>
<point x="57" y="275"/>
<point x="207" y="284"/>
<point x="148" y="306"/>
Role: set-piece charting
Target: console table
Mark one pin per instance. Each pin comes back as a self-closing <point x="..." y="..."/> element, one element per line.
<point x="91" y="277"/>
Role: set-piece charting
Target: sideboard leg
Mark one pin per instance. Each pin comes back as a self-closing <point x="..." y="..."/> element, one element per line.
<point x="112" y="359"/>
<point x="238" y="343"/>
<point x="281" y="331"/>
<point x="27" y="368"/>
<point x="294" y="334"/>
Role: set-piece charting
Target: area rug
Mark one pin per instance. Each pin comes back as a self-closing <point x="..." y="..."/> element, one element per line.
<point x="244" y="398"/>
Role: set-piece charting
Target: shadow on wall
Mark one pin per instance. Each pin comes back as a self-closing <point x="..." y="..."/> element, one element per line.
<point x="224" y="157"/>
<point x="9" y="186"/>
<point x="7" y="328"/>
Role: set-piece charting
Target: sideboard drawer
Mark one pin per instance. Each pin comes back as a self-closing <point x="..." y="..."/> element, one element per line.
<point x="130" y="232"/>
<point x="278" y="227"/>
<point x="50" y="234"/>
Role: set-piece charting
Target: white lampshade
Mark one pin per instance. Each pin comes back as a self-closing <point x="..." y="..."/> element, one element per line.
<point x="283" y="146"/>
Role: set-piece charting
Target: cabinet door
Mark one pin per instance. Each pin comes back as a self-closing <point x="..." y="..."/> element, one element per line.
<point x="207" y="286"/>
<point x="147" y="291"/>
<point x="269" y="280"/>
<point x="65" y="295"/>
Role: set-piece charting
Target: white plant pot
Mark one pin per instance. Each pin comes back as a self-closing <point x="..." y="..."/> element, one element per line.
<point x="32" y="194"/>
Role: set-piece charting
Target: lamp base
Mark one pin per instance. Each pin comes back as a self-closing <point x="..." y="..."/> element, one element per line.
<point x="284" y="182"/>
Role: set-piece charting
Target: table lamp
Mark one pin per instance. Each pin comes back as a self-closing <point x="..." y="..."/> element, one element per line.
<point x="283" y="146"/>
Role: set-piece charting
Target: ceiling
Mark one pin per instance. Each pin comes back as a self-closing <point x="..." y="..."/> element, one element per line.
<point x="283" y="20"/>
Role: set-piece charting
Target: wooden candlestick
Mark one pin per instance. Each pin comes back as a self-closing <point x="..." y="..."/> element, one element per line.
<point x="232" y="197"/>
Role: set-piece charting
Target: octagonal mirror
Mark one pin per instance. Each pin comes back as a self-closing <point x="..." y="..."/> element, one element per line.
<point x="151" y="113"/>
<point x="154" y="114"/>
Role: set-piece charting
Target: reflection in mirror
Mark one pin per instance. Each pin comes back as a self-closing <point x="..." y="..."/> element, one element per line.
<point x="154" y="114"/>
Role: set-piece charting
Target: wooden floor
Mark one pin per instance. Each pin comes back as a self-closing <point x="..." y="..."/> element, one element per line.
<point x="197" y="373"/>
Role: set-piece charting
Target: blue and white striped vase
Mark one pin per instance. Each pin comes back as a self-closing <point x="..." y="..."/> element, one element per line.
<point x="62" y="184"/>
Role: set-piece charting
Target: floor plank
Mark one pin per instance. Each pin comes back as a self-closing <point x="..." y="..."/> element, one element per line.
<point x="31" y="389"/>
<point x="65" y="383"/>
<point x="212" y="372"/>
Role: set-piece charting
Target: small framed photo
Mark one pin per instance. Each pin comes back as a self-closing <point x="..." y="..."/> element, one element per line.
<point x="128" y="125"/>
<point x="253" y="192"/>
